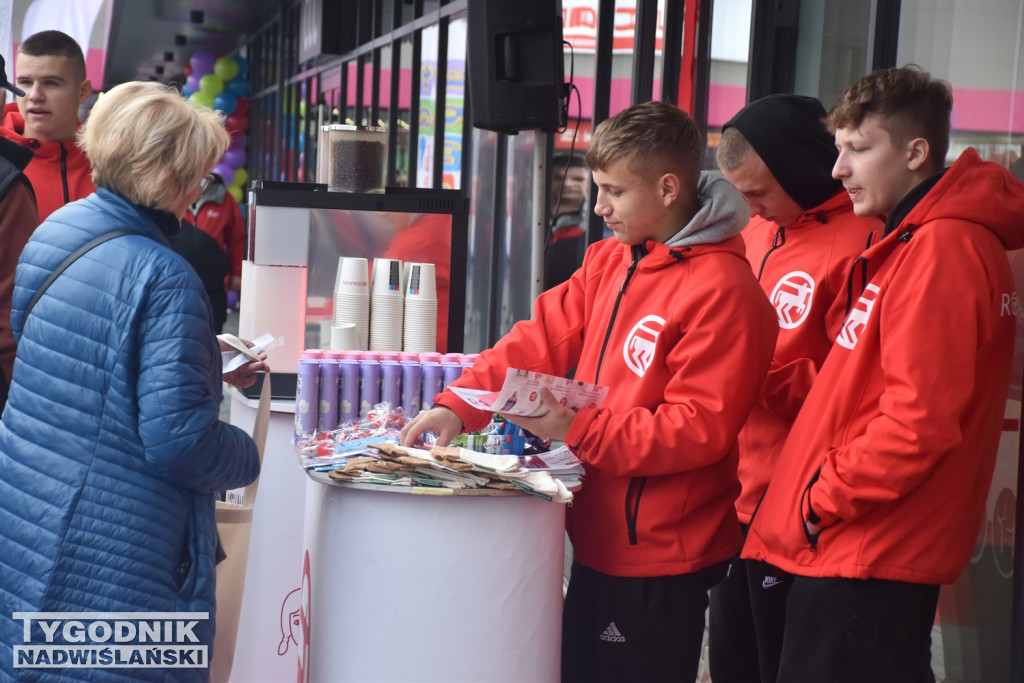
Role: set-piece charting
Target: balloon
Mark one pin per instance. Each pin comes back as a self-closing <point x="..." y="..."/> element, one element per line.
<point x="211" y="84"/>
<point x="237" y="86"/>
<point x="234" y="158"/>
<point x="239" y="141"/>
<point x="241" y="177"/>
<point x="225" y="102"/>
<point x="225" y="170"/>
<point x="243" y="66"/>
<point x="192" y="83"/>
<point x="243" y="107"/>
<point x="226" y="68"/>
<point x="236" y="192"/>
<point x="202" y="99"/>
<point x="186" y="91"/>
<point x="202" y="62"/>
<point x="302" y="108"/>
<point x="188" y="70"/>
<point x="236" y="123"/>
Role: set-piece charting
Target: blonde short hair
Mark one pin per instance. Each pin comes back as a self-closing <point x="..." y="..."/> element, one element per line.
<point x="149" y="144"/>
<point x="653" y="138"/>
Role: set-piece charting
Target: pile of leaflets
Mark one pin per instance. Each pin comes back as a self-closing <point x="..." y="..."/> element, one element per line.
<point x="447" y="467"/>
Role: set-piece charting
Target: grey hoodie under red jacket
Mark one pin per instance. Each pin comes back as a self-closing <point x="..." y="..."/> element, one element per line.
<point x="682" y="334"/>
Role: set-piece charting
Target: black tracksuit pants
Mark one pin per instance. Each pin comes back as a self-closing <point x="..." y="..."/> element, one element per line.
<point x="650" y="629"/>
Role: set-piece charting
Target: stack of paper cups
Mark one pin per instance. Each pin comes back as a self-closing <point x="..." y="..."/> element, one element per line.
<point x="386" y="305"/>
<point x="352" y="297"/>
<point x="420" y="331"/>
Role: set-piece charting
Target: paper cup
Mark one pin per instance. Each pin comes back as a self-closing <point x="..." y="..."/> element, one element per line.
<point x="353" y="276"/>
<point x="343" y="337"/>
<point x="422" y="283"/>
<point x="386" y="277"/>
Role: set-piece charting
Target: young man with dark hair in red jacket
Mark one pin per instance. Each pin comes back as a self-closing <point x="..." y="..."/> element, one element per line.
<point x="801" y="243"/>
<point x="50" y="69"/>
<point x="669" y="315"/>
<point x="880" y="488"/>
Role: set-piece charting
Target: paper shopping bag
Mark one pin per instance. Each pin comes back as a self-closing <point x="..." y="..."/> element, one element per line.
<point x="234" y="524"/>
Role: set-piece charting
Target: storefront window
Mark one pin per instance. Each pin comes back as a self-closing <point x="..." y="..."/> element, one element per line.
<point x="428" y="108"/>
<point x="977" y="47"/>
<point x="730" y="47"/>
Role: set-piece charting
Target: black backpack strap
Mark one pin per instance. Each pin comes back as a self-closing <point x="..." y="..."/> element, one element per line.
<point x="96" y="241"/>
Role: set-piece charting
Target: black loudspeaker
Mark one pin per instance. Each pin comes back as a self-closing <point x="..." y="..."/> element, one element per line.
<point x="515" y="64"/>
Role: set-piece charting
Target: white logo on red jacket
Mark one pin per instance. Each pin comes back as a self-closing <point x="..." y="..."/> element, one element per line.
<point x="858" y="318"/>
<point x="792" y="298"/>
<point x="638" y="351"/>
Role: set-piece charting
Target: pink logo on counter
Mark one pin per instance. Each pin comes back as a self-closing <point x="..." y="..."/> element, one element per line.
<point x="638" y="351"/>
<point x="792" y="298"/>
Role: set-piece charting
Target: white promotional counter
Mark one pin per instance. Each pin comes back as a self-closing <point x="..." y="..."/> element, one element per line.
<point x="264" y="652"/>
<point x="403" y="586"/>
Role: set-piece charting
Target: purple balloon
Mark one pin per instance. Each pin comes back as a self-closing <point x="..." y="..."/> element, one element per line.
<point x="234" y="157"/>
<point x="202" y="63"/>
<point x="192" y="82"/>
<point x="225" y="171"/>
<point x="239" y="141"/>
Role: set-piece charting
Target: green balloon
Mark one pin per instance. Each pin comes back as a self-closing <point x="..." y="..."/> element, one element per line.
<point x="212" y="85"/>
<point x="226" y="68"/>
<point x="201" y="99"/>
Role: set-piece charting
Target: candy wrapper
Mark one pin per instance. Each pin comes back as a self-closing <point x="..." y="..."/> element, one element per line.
<point x="325" y="450"/>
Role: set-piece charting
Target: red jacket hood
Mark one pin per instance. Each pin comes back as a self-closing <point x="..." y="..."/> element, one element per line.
<point x="972" y="190"/>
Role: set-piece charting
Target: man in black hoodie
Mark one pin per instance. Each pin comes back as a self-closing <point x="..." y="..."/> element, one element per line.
<point x="18" y="218"/>
<point x="801" y="241"/>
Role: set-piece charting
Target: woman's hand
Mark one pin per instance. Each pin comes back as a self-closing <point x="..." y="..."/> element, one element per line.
<point x="244" y="376"/>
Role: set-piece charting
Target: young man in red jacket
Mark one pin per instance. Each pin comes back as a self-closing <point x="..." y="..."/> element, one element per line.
<point x="801" y="243"/>
<point x="669" y="315"/>
<point x="880" y="488"/>
<point x="50" y="68"/>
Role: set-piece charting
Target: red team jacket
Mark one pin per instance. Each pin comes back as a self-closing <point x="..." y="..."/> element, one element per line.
<point x="894" y="449"/>
<point x="803" y="269"/>
<point x="683" y="336"/>
<point x="59" y="172"/>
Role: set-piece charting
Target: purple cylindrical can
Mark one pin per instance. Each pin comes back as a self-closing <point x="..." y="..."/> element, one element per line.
<point x="307" y="395"/>
<point x="391" y="383"/>
<point x="450" y="372"/>
<point x="410" y="388"/>
<point x="328" y="419"/>
<point x="369" y="386"/>
<point x="432" y="378"/>
<point x="349" y="390"/>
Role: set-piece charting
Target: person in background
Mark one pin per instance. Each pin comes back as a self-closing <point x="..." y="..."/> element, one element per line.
<point x="212" y="239"/>
<point x="50" y="69"/>
<point x="570" y="181"/>
<point x="18" y="218"/>
<point x="111" y="449"/>
<point x="670" y="317"/>
<point x="880" y="488"/>
<point x="802" y="241"/>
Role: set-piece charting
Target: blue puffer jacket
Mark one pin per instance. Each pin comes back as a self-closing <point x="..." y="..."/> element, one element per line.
<point x="110" y="444"/>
